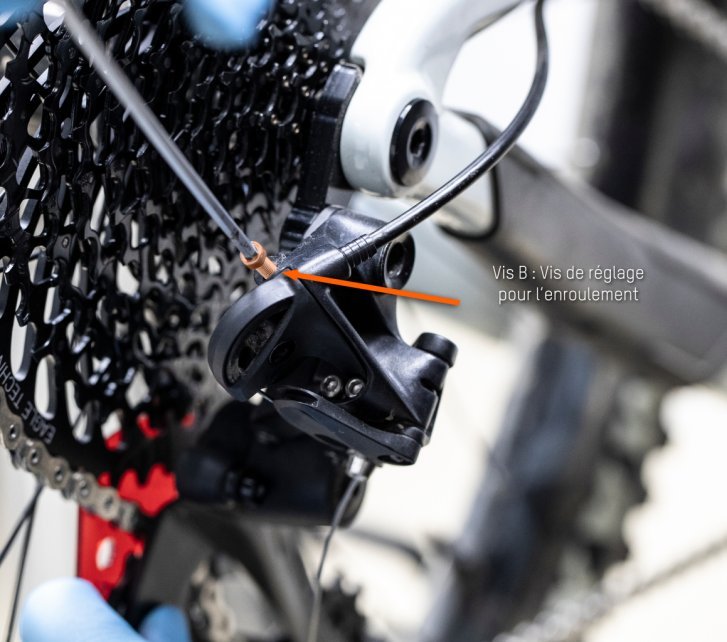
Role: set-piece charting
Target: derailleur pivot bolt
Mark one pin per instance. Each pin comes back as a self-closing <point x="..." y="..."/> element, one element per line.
<point x="413" y="142"/>
<point x="263" y="265"/>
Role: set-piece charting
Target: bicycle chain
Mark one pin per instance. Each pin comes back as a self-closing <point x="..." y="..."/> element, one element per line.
<point x="54" y="472"/>
<point x="215" y="619"/>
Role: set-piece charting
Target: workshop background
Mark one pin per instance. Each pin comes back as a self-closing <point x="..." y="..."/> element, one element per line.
<point x="685" y="479"/>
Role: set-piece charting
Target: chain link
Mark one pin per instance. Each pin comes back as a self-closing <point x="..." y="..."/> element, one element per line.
<point x="54" y="472"/>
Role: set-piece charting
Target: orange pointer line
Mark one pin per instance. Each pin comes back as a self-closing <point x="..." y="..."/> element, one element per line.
<point x="295" y="275"/>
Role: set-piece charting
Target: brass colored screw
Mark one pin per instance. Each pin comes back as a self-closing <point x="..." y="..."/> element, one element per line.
<point x="260" y="262"/>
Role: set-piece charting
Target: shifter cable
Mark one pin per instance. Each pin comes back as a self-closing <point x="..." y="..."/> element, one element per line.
<point x="358" y="470"/>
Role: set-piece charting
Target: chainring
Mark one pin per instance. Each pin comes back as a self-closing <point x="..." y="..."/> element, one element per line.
<point x="112" y="276"/>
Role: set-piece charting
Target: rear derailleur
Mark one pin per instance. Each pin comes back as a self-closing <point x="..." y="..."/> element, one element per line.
<point x="328" y="359"/>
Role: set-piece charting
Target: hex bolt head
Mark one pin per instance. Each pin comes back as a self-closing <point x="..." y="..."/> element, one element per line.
<point x="250" y="490"/>
<point x="354" y="388"/>
<point x="331" y="386"/>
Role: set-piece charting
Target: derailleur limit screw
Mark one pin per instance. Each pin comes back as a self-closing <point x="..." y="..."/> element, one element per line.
<point x="331" y="386"/>
<point x="354" y="388"/>
<point x="260" y="262"/>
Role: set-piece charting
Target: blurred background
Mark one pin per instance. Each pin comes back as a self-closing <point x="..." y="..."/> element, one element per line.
<point x="423" y="508"/>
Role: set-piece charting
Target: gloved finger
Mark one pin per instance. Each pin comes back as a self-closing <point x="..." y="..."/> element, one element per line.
<point x="12" y="5"/>
<point x="9" y="6"/>
<point x="226" y="24"/>
<point x="72" y="610"/>
<point x="165" y="624"/>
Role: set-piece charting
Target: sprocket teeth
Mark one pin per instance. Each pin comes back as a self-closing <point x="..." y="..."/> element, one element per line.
<point x="110" y="268"/>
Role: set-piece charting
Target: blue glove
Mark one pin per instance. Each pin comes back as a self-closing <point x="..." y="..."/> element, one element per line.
<point x="13" y="5"/>
<point x="227" y="24"/>
<point x="72" y="610"/>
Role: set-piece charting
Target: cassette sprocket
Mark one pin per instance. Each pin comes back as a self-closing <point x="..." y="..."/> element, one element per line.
<point x="112" y="276"/>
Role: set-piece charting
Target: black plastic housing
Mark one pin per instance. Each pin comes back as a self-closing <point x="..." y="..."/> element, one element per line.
<point x="296" y="337"/>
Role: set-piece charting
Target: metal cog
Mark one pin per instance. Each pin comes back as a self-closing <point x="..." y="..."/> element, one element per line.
<point x="113" y="278"/>
<point x="225" y="605"/>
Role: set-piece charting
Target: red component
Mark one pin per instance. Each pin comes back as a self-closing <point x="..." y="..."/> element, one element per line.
<point x="188" y="420"/>
<point x="144" y="424"/>
<point x="104" y="549"/>
<point x="159" y="490"/>
<point x="114" y="441"/>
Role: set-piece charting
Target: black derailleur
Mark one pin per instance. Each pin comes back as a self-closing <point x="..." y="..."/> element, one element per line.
<point x="329" y="358"/>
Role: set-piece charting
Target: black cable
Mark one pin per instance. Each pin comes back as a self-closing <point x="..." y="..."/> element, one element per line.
<point x="365" y="247"/>
<point x="29" y="508"/>
<point x="21" y="568"/>
<point x="341" y="509"/>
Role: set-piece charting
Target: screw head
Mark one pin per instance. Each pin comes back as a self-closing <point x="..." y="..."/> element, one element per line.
<point x="354" y="388"/>
<point x="331" y="386"/>
<point x="413" y="142"/>
<point x="250" y="490"/>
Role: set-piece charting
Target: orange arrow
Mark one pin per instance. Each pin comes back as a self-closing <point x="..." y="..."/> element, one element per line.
<point x="295" y="275"/>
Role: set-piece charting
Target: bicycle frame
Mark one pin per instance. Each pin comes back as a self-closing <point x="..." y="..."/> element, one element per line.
<point x="522" y="214"/>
